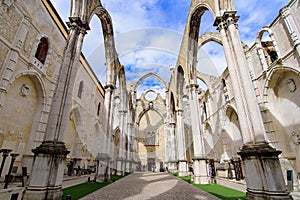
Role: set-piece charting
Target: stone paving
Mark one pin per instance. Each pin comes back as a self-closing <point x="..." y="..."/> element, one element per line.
<point x="139" y="186"/>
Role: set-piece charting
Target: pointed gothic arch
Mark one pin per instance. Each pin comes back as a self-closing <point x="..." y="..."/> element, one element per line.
<point x="146" y="110"/>
<point x="150" y="75"/>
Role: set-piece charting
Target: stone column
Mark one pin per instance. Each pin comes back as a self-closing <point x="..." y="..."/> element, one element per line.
<point x="12" y="58"/>
<point x="121" y="162"/>
<point x="291" y="28"/>
<point x="181" y="148"/>
<point x="5" y="153"/>
<point x="46" y="177"/>
<point x="262" y="58"/>
<point x="172" y="150"/>
<point x="129" y="146"/>
<point x="105" y="151"/>
<point x="7" y="177"/>
<point x="262" y="168"/>
<point x="199" y="157"/>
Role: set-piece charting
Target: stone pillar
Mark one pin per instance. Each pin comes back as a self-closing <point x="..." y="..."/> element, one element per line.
<point x="291" y="28"/>
<point x="106" y="150"/>
<point x="181" y="148"/>
<point x="5" y="153"/>
<point x="173" y="161"/>
<point x="129" y="146"/>
<point x="102" y="174"/>
<point x="12" y="58"/>
<point x="46" y="177"/>
<point x="262" y="168"/>
<point x="121" y="162"/>
<point x="199" y="157"/>
<point x="7" y="177"/>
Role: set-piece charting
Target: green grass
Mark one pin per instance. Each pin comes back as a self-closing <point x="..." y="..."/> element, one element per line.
<point x="83" y="189"/>
<point x="222" y="192"/>
<point x="186" y="178"/>
<point x="115" y="177"/>
<point x="174" y="173"/>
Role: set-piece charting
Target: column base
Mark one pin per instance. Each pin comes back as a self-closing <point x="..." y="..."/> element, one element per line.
<point x="45" y="193"/>
<point x="200" y="171"/>
<point x="263" y="172"/>
<point x="182" y="168"/>
<point x="103" y="168"/>
<point x="46" y="177"/>
<point x="172" y="166"/>
<point x="120" y="167"/>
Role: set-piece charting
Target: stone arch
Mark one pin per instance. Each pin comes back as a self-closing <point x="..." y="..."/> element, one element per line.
<point x="148" y="75"/>
<point x="112" y="61"/>
<point x="277" y="70"/>
<point x="282" y="113"/>
<point x="207" y="37"/>
<point x="263" y="54"/>
<point x="208" y="135"/>
<point x="193" y="35"/>
<point x="84" y="11"/>
<point x="233" y="128"/>
<point x="146" y="110"/>
<point x="40" y="66"/>
<point x="116" y="141"/>
<point x="41" y="107"/>
<point x="207" y="79"/>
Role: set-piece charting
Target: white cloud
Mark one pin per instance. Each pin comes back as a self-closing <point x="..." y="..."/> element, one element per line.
<point x="153" y="50"/>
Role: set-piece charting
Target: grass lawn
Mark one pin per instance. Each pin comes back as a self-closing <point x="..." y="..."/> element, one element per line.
<point x="220" y="191"/>
<point x="83" y="189"/>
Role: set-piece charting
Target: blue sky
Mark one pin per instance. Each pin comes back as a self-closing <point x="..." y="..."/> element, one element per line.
<point x="148" y="34"/>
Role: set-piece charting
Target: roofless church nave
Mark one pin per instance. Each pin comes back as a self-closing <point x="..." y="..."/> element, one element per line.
<point x="57" y="118"/>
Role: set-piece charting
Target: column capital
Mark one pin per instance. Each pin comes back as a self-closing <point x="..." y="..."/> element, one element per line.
<point x="285" y="11"/>
<point x="76" y="23"/>
<point x="109" y="87"/>
<point x="179" y="111"/>
<point x="228" y="18"/>
<point x="5" y="152"/>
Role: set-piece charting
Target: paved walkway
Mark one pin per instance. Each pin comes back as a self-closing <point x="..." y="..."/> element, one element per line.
<point x="232" y="183"/>
<point x="140" y="186"/>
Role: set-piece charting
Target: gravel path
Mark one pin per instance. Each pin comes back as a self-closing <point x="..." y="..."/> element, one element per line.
<point x="138" y="186"/>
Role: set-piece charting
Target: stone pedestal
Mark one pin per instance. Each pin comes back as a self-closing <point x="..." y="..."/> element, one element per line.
<point x="103" y="172"/>
<point x="127" y="167"/>
<point x="172" y="166"/>
<point x="200" y="171"/>
<point x="120" y="167"/>
<point x="263" y="172"/>
<point x="182" y="168"/>
<point x="48" y="167"/>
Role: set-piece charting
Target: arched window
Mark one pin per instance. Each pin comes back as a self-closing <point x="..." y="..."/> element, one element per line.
<point x="80" y="89"/>
<point x="204" y="109"/>
<point x="225" y="90"/>
<point x="98" y="110"/>
<point x="271" y="54"/>
<point x="42" y="50"/>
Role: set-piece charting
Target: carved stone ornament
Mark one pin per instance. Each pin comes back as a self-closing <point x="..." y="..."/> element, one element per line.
<point x="24" y="90"/>
<point x="291" y="85"/>
<point x="8" y="2"/>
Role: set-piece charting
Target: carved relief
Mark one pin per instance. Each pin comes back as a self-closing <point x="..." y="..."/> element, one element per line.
<point x="3" y="55"/>
<point x="291" y="85"/>
<point x="24" y="90"/>
<point x="9" y="23"/>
